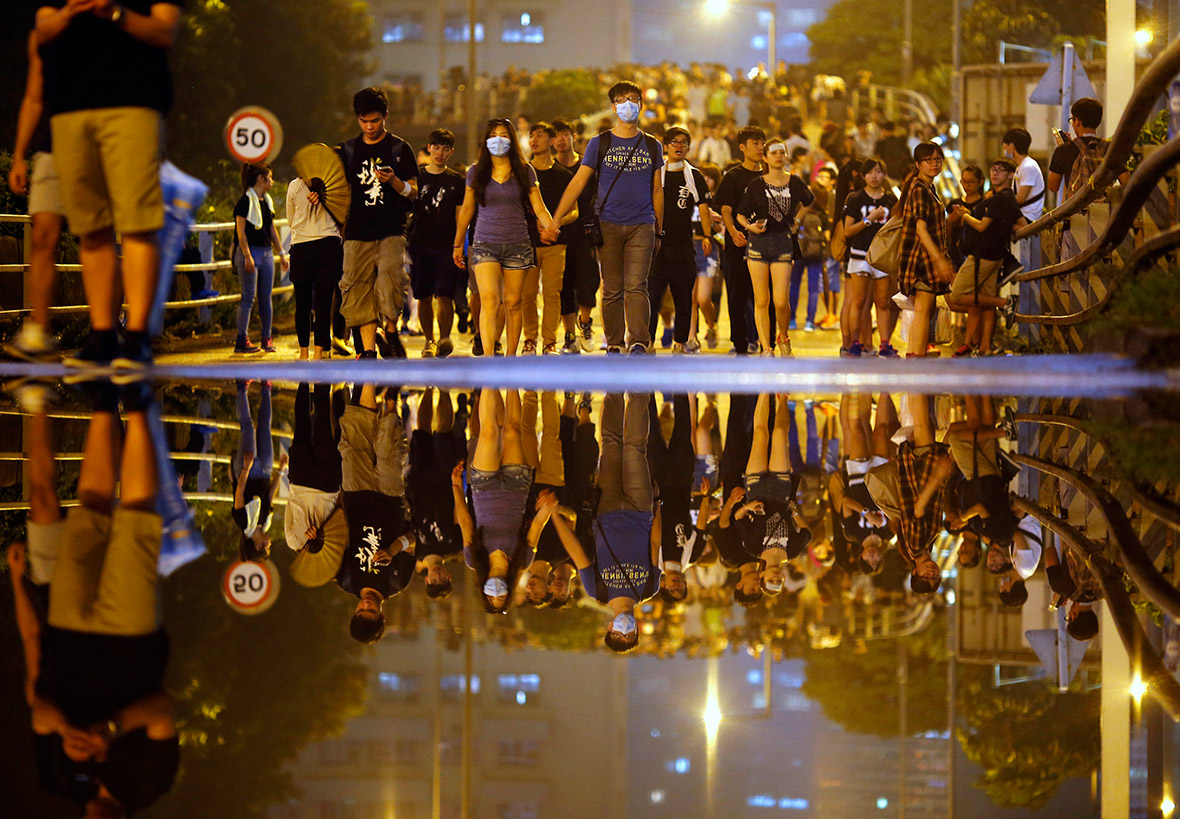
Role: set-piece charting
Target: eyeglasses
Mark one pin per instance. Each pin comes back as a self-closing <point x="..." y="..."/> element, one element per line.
<point x="631" y="98"/>
<point x="937" y="159"/>
<point x="679" y="143"/>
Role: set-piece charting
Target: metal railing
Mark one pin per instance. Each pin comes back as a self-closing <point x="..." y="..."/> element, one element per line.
<point x="210" y="266"/>
<point x="1138" y="192"/>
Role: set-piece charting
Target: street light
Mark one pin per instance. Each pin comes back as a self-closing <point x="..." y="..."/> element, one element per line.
<point x="717" y="8"/>
<point x="1138" y="688"/>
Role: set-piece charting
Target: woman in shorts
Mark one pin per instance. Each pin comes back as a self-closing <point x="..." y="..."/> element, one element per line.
<point x="865" y="214"/>
<point x="504" y="187"/>
<point x="767" y="212"/>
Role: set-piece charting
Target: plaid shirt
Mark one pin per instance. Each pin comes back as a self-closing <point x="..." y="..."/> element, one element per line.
<point x="921" y="202"/>
<point x="916" y="535"/>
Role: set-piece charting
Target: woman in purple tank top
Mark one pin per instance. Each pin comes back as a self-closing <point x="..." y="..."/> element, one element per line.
<point x="498" y="539"/>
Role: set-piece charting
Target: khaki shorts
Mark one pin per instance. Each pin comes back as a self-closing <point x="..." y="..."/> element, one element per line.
<point x="44" y="186"/>
<point x="968" y="455"/>
<point x="105" y="578"/>
<point x="373" y="450"/>
<point x="108" y="161"/>
<point x="964" y="289"/>
<point x="374" y="283"/>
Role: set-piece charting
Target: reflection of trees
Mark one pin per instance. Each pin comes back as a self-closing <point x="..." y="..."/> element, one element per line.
<point x="860" y="692"/>
<point x="252" y="691"/>
<point x="1027" y="739"/>
<point x="577" y="628"/>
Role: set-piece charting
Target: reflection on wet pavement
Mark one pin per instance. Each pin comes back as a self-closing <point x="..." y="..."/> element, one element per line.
<point x="354" y="600"/>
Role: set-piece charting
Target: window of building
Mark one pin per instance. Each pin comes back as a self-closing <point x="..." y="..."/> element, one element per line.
<point x="451" y="686"/>
<point x="399" y="687"/>
<point x="519" y="688"/>
<point x="518" y="751"/>
<point x="456" y="29"/>
<point x="402" y="27"/>
<point x="525" y="27"/>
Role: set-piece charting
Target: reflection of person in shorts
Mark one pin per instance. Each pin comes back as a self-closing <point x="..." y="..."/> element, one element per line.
<point x="106" y="144"/>
<point x="384" y="180"/>
<point x="102" y="723"/>
<point x="436" y="447"/>
<point x="35" y="341"/>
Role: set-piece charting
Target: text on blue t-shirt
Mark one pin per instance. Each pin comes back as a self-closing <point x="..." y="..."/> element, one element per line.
<point x="629" y="202"/>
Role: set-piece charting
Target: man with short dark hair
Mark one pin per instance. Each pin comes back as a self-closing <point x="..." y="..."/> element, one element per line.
<point x="437" y="450"/>
<point x="383" y="175"/>
<point x="630" y="205"/>
<point x="1029" y="184"/>
<point x="740" y="290"/>
<point x="579" y="282"/>
<point x="546" y="276"/>
<point x="107" y="90"/>
<point x="1085" y="115"/>
<point x="433" y="274"/>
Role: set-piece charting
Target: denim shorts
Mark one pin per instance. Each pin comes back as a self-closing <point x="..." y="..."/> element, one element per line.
<point x="770" y="248"/>
<point x="509" y="476"/>
<point x="511" y="256"/>
<point x="770" y="487"/>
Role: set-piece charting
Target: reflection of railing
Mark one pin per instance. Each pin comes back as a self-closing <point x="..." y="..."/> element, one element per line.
<point x="208" y="497"/>
<point x="209" y="266"/>
<point x="167" y="419"/>
<point x="1137" y="193"/>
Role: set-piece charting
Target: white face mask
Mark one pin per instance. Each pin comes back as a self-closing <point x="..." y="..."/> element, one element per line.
<point x="774" y="587"/>
<point x="498" y="145"/>
<point x="495" y="587"/>
<point x="627" y="111"/>
<point x="623" y="623"/>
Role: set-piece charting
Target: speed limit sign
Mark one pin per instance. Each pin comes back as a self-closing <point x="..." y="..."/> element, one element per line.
<point x="253" y="134"/>
<point x="250" y="588"/>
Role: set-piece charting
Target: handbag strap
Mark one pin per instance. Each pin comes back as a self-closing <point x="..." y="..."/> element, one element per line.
<point x="623" y="167"/>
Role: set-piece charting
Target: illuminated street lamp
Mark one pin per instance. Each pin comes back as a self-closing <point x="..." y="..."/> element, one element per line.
<point x="717" y="8"/>
<point x="1138" y="688"/>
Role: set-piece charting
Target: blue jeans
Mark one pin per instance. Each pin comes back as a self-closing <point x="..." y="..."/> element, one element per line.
<point x="261" y="280"/>
<point x="813" y="285"/>
<point x="254" y="441"/>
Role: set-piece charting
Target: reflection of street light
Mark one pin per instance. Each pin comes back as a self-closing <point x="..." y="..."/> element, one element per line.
<point x="712" y="716"/>
<point x="1138" y="688"/>
<point x="717" y="8"/>
<point x="1143" y="38"/>
<point x="1167" y="806"/>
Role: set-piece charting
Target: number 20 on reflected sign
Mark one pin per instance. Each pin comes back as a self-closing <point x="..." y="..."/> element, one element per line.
<point x="250" y="588"/>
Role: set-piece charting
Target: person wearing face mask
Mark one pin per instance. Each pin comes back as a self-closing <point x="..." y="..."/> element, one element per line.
<point x="499" y="540"/>
<point x="504" y="187"/>
<point x="624" y="569"/>
<point x="630" y="206"/>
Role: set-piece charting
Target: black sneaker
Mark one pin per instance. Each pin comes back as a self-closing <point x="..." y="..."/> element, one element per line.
<point x="1009" y="311"/>
<point x="383" y="345"/>
<point x="461" y="322"/>
<point x="102" y="395"/>
<point x="638" y="349"/>
<point x="100" y="349"/>
<point x="396" y="346"/>
<point x="1008" y="423"/>
<point x="1010" y="268"/>
<point x="477" y="346"/>
<point x="138" y="396"/>
<point x="571" y="345"/>
<point x="136" y="353"/>
<point x="499" y="349"/>
<point x="368" y="355"/>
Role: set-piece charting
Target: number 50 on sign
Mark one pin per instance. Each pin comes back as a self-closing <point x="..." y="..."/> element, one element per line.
<point x="253" y="134"/>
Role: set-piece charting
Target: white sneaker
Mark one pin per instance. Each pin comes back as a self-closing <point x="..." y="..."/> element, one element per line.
<point x="32" y="343"/>
<point x="784" y="348"/>
<point x="677" y="348"/>
<point x="445" y="348"/>
<point x="430" y="350"/>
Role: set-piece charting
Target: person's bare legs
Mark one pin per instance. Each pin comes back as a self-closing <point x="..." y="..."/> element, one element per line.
<point x="759" y="458"/>
<point x="101" y="457"/>
<point x="43" y="265"/>
<point x="44" y="507"/>
<point x="99" y="266"/>
<point x="488" y="445"/>
<point x="988" y="333"/>
<point x="886" y="318"/>
<point x="141" y="268"/>
<point x="444" y="419"/>
<point x="920" y="326"/>
<point x="138" y="481"/>
<point x="446" y="316"/>
<point x="426" y="318"/>
<point x="780" y="278"/>
<point x="760" y="283"/>
<point x="780" y="453"/>
<point x="858" y="296"/>
<point x="884" y="425"/>
<point x="514" y="450"/>
<point x="514" y="283"/>
<point x="490" y="282"/>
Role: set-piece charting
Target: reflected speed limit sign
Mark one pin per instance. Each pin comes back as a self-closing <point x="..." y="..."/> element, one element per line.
<point x="253" y="134"/>
<point x="250" y="588"/>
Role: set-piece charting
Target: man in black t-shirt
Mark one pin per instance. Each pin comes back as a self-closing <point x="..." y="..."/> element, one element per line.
<point x="546" y="276"/>
<point x="579" y="286"/>
<point x="433" y="274"/>
<point x="1085" y="115"/>
<point x="379" y="559"/>
<point x="674" y="266"/>
<point x="751" y="141"/>
<point x="437" y="447"/>
<point x="975" y="290"/>
<point x="107" y="90"/>
<point x="384" y="178"/>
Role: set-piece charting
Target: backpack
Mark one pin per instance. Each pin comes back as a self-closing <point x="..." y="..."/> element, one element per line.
<point x="1091" y="151"/>
<point x="813" y="247"/>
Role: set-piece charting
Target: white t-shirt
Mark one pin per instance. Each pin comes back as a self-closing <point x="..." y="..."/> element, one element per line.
<point x="1028" y="172"/>
<point x="307" y="222"/>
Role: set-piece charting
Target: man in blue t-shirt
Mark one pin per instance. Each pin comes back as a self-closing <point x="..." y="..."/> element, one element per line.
<point x="630" y="206"/>
<point x="624" y="569"/>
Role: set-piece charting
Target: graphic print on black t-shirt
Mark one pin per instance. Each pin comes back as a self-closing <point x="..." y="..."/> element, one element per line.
<point x="858" y="207"/>
<point x="377" y="210"/>
<point x="434" y="208"/>
<point x="680" y="207"/>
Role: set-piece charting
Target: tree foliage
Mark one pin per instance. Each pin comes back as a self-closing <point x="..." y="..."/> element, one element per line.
<point x="1027" y="739"/>
<point x="303" y="61"/>
<point x="566" y="93"/>
<point x="860" y="692"/>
